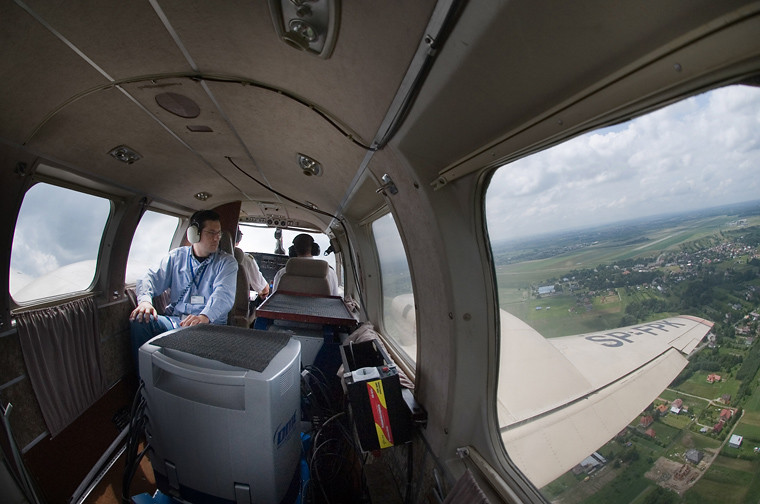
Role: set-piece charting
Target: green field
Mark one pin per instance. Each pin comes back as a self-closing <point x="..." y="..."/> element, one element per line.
<point x="751" y="433"/>
<point x="677" y="421"/>
<point x="728" y="481"/>
<point x="749" y="428"/>
<point x="559" y="315"/>
<point x="665" y="433"/>
<point x="670" y="395"/>
<point x="587" y="301"/>
<point x="752" y="404"/>
<point x="525" y="273"/>
<point x="698" y="441"/>
<point x="697" y="385"/>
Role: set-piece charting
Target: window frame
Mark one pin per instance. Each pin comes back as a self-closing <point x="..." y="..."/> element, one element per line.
<point x="401" y="357"/>
<point x="484" y="184"/>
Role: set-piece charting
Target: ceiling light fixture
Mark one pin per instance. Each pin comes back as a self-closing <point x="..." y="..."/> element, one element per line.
<point x="309" y="165"/>
<point x="203" y="196"/>
<point x="125" y="154"/>
<point x="307" y="25"/>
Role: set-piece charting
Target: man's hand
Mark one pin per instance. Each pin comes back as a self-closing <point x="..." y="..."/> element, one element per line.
<point x="264" y="292"/>
<point x="192" y="320"/>
<point x="144" y="312"/>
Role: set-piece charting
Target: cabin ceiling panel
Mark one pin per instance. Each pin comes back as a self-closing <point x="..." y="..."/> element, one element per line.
<point x="208" y="116"/>
<point x="275" y="129"/>
<point x="507" y="65"/>
<point x="40" y="73"/>
<point x="364" y="201"/>
<point x="132" y="30"/>
<point x="212" y="145"/>
<point x="83" y="133"/>
<point x="355" y="85"/>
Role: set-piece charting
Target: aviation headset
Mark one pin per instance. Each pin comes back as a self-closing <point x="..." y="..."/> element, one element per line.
<point x="315" y="250"/>
<point x="196" y="224"/>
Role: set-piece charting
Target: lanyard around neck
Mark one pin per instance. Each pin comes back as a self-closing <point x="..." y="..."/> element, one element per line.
<point x="201" y="269"/>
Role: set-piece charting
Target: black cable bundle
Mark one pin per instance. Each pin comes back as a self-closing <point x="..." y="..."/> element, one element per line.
<point x="137" y="426"/>
<point x="317" y="400"/>
<point x="336" y="465"/>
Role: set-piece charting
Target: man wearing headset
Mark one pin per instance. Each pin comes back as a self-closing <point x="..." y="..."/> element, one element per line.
<point x="304" y="246"/>
<point x="256" y="280"/>
<point x="202" y="279"/>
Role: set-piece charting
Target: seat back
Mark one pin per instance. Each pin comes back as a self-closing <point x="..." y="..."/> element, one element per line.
<point x="240" y="314"/>
<point x="225" y="242"/>
<point x="305" y="275"/>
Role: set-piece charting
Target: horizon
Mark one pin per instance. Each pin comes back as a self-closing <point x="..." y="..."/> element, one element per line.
<point x="506" y="242"/>
<point x="701" y="152"/>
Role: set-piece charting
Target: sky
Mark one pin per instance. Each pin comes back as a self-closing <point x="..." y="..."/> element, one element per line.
<point x="56" y="227"/>
<point x="698" y="153"/>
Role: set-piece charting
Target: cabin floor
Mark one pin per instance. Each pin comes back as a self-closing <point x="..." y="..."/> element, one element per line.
<point x="108" y="491"/>
<point x="60" y="464"/>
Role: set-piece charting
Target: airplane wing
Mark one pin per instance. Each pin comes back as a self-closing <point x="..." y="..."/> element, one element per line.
<point x="560" y="399"/>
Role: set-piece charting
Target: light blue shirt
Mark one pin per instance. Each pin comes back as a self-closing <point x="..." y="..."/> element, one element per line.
<point x="212" y="292"/>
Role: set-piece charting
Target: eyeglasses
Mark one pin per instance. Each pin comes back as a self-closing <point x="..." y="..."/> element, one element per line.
<point x="214" y="234"/>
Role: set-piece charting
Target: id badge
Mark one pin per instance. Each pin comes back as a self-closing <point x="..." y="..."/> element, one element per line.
<point x="197" y="300"/>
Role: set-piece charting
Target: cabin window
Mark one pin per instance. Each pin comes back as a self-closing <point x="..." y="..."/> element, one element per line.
<point x="595" y="241"/>
<point x="56" y="242"/>
<point x="151" y="242"/>
<point x="399" y="320"/>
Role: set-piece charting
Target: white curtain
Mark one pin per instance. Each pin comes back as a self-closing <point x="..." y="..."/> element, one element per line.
<point x="61" y="348"/>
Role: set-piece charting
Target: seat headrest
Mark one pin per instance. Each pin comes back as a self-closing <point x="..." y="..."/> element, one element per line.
<point x="305" y="267"/>
<point x="239" y="255"/>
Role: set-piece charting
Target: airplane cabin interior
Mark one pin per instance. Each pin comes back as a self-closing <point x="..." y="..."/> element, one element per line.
<point x="376" y="128"/>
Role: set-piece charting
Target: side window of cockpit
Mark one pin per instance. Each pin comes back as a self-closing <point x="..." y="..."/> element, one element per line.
<point x="56" y="242"/>
<point x="399" y="320"/>
<point x="151" y="242"/>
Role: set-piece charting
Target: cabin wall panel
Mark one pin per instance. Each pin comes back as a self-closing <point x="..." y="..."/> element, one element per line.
<point x="418" y="226"/>
<point x="26" y="418"/>
<point x="17" y="167"/>
<point x="425" y="469"/>
<point x="113" y="327"/>
<point x="11" y="358"/>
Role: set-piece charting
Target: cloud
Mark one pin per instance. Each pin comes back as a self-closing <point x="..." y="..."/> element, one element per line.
<point x="57" y="227"/>
<point x="150" y="244"/>
<point x="703" y="151"/>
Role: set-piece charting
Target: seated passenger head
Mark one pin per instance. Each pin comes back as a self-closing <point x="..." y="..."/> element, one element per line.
<point x="303" y="246"/>
<point x="204" y="232"/>
<point x="238" y="236"/>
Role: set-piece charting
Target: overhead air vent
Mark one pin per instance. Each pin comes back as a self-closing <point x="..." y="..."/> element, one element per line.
<point x="307" y="25"/>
